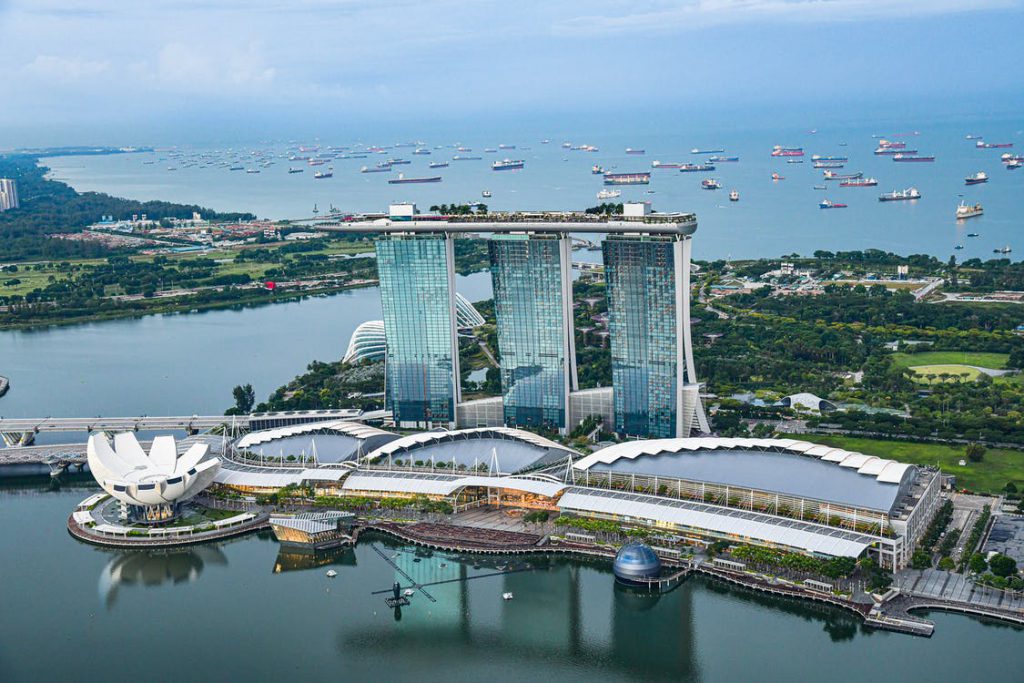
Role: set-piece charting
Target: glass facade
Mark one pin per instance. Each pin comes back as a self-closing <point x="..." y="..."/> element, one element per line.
<point x="416" y="286"/>
<point x="642" y="322"/>
<point x="531" y="313"/>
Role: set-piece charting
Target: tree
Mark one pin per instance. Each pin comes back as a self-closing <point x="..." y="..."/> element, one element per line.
<point x="977" y="563"/>
<point x="1002" y="565"/>
<point x="921" y="560"/>
<point x="245" y="397"/>
<point x="1010" y="487"/>
<point x="947" y="564"/>
<point x="975" y="452"/>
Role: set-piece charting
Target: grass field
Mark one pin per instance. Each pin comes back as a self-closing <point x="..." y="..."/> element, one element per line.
<point x="989" y="476"/>
<point x="966" y="372"/>
<point x="996" y="361"/>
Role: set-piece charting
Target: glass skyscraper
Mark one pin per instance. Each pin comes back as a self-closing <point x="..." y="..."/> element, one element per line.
<point x="649" y="324"/>
<point x="417" y="285"/>
<point x="533" y="307"/>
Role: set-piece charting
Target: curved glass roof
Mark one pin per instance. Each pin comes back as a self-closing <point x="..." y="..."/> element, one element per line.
<point x="785" y="473"/>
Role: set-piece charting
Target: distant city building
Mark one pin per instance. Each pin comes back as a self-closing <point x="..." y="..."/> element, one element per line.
<point x="8" y="194"/>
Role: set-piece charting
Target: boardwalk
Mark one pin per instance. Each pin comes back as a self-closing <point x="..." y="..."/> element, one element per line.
<point x="956" y="588"/>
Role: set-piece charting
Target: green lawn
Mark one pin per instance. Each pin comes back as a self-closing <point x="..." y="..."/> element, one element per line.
<point x="996" y="361"/>
<point x="965" y="372"/>
<point x="989" y="476"/>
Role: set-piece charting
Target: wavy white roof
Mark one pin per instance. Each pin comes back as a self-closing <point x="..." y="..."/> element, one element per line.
<point x="886" y="471"/>
<point x="422" y="438"/>
<point x="356" y="430"/>
<point x="128" y="474"/>
<point x="436" y="484"/>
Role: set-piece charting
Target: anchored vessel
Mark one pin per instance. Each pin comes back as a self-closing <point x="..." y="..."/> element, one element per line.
<point x="508" y="164"/>
<point x="826" y="204"/>
<point x="976" y="179"/>
<point x="968" y="211"/>
<point x="627" y="178"/>
<point x="894" y="196"/>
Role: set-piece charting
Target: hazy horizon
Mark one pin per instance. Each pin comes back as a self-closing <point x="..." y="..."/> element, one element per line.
<point x="179" y="72"/>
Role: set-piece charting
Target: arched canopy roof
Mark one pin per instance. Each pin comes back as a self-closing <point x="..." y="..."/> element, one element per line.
<point x="785" y="466"/>
<point x="339" y="440"/>
<point x="516" y="450"/>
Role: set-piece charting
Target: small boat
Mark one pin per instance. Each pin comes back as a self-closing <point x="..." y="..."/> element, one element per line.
<point x="968" y="211"/>
<point x="819" y="187"/>
<point x="296" y="170"/>
<point x="331" y="573"/>
<point x="972" y="137"/>
<point x="710" y="184"/>
<point x="976" y="179"/>
<point x="408" y="592"/>
<point x="485" y="193"/>
<point x="1003" y="250"/>
<point x="959" y="247"/>
<point x="609" y="194"/>
<point x="974" y="234"/>
<point x="1015" y="163"/>
<point x="507" y="596"/>
<point x="776" y="176"/>
<point x="630" y="150"/>
<point x="794" y="161"/>
<point x="252" y="170"/>
<point x="596" y="169"/>
<point x="734" y="196"/>
<point x="826" y="204"/>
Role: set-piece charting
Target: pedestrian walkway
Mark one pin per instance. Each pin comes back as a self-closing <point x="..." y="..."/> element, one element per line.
<point x="941" y="585"/>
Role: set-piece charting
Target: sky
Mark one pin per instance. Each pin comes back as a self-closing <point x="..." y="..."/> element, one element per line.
<point x="160" y="71"/>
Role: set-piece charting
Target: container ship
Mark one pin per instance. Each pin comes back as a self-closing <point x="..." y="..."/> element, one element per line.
<point x="976" y="179"/>
<point x="908" y="158"/>
<point x="826" y="204"/>
<point x="722" y="160"/>
<point x="993" y="145"/>
<point x="780" y="151"/>
<point x="859" y="182"/>
<point x="627" y="178"/>
<point x="630" y="150"/>
<point x="402" y="180"/>
<point x="508" y="165"/>
<point x="693" y="168"/>
<point x="903" y="195"/>
<point x="968" y="211"/>
<point x="710" y="184"/>
<point x="830" y="175"/>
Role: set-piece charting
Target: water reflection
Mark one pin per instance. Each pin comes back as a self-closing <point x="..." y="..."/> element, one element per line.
<point x="298" y="559"/>
<point x="151" y="568"/>
<point x="574" y="614"/>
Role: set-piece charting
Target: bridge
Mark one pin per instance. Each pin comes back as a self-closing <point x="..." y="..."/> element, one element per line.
<point x="20" y="432"/>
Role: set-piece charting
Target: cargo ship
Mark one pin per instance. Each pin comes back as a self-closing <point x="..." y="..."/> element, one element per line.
<point x="905" y="158"/>
<point x="1014" y="164"/>
<point x="396" y="162"/>
<point x="438" y="164"/>
<point x="717" y="159"/>
<point x="323" y="174"/>
<point x="508" y="164"/>
<point x="826" y="204"/>
<point x="828" y="164"/>
<point x="402" y="180"/>
<point x="463" y="158"/>
<point x="993" y="145"/>
<point x="894" y="196"/>
<point x="968" y="211"/>
<point x="976" y="179"/>
<point x="630" y="150"/>
<point x="780" y="151"/>
<point x="661" y="164"/>
<point x="830" y="175"/>
<point x="818" y="157"/>
<point x="375" y="169"/>
<point x="695" y="150"/>
<point x="627" y="178"/>
<point x="891" y="151"/>
<point x="296" y="170"/>
<point x="710" y="184"/>
<point x="506" y="146"/>
<point x="421" y="150"/>
<point x="693" y="168"/>
<point x="859" y="182"/>
<point x="891" y="144"/>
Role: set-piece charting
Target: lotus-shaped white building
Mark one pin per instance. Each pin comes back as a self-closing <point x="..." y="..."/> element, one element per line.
<point x="152" y="486"/>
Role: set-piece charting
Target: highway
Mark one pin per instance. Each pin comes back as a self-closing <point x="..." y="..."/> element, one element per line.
<point x="190" y="423"/>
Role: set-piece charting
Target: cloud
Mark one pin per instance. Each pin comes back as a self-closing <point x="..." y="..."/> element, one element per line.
<point x="54" y="68"/>
<point x="661" y="16"/>
<point x="203" y="67"/>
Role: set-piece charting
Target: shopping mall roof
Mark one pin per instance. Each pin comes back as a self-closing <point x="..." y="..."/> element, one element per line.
<point x="354" y="429"/>
<point x="785" y="466"/>
<point x="514" y="450"/>
<point x="791" y="533"/>
<point x="438" y="484"/>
